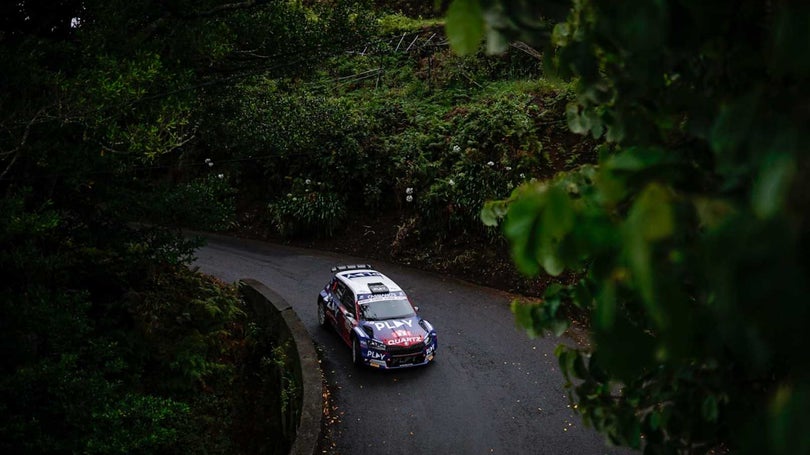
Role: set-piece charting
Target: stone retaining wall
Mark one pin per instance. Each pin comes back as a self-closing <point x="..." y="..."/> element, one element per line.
<point x="302" y="418"/>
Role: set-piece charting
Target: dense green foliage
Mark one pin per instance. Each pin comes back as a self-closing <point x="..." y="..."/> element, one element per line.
<point x="691" y="232"/>
<point x="111" y="344"/>
<point x="102" y="356"/>
<point x="688" y="234"/>
<point x="425" y="135"/>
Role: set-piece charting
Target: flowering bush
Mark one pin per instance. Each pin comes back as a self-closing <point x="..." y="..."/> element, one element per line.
<point x="309" y="209"/>
<point x="455" y="148"/>
<point x="451" y="205"/>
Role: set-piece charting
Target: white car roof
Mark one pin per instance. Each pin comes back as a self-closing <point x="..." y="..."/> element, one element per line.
<point x="360" y="280"/>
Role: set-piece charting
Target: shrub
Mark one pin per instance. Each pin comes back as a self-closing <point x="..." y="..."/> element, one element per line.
<point x="308" y="210"/>
<point x="137" y="424"/>
<point x="202" y="203"/>
<point x="109" y="339"/>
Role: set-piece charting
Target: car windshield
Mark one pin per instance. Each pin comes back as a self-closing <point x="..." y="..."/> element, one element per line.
<point x="386" y="309"/>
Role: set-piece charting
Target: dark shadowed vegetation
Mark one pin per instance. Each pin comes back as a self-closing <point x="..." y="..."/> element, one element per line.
<point x="646" y="159"/>
<point x="690" y="234"/>
<point x="111" y="344"/>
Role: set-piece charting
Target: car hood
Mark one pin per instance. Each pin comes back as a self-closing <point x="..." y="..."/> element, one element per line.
<point x="397" y="332"/>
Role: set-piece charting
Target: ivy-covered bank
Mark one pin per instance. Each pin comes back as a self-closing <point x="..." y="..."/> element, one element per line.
<point x="398" y="141"/>
<point x="430" y="137"/>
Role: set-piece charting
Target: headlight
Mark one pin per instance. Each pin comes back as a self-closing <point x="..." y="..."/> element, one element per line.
<point x="374" y="344"/>
<point x="428" y="339"/>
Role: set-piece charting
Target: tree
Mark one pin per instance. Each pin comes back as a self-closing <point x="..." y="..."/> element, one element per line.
<point x="108" y="338"/>
<point x="691" y="233"/>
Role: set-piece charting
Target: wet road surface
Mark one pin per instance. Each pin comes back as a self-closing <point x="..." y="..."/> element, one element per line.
<point x="491" y="390"/>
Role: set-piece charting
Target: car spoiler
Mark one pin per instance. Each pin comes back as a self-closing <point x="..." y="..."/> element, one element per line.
<point x="342" y="268"/>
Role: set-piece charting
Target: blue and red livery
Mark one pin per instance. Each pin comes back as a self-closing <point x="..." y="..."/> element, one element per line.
<point x="374" y="316"/>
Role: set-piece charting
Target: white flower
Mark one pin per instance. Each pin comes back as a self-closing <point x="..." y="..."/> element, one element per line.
<point x="207" y="160"/>
<point x="491" y="163"/>
<point x="456" y="148"/>
<point x="451" y="182"/>
<point x="508" y="168"/>
<point x="210" y="164"/>
<point x="295" y="199"/>
<point x="533" y="180"/>
<point x="307" y="181"/>
<point x="509" y="185"/>
<point x="289" y="194"/>
<point x="221" y="176"/>
<point x="409" y="198"/>
<point x="409" y="190"/>
<point x="522" y="175"/>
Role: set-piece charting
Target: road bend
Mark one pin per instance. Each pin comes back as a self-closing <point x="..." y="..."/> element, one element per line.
<point x="491" y="390"/>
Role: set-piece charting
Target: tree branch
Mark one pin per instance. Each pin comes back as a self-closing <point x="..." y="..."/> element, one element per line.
<point x="15" y="152"/>
<point x="150" y="29"/>
<point x="225" y="7"/>
<point x="520" y="45"/>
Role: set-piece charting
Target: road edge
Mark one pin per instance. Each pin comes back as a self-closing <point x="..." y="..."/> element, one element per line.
<point x="265" y="300"/>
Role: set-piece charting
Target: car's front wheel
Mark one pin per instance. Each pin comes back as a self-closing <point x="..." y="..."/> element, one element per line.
<point x="357" y="356"/>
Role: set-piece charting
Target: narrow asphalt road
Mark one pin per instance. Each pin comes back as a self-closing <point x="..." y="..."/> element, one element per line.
<point x="492" y="390"/>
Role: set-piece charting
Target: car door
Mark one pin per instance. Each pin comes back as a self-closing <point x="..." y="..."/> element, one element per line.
<point x="346" y="317"/>
<point x="330" y="301"/>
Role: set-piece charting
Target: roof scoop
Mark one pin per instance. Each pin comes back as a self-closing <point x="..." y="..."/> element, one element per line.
<point x="378" y="288"/>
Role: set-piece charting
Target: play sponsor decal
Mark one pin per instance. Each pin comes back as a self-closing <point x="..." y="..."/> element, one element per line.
<point x="393" y="325"/>
<point x="376" y="355"/>
<point x="398" y="332"/>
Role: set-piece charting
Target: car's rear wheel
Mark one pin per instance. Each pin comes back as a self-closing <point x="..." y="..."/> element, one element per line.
<point x="357" y="357"/>
<point x="321" y="313"/>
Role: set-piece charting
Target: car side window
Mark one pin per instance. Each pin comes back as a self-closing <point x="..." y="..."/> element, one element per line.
<point x="348" y="301"/>
<point x="345" y="297"/>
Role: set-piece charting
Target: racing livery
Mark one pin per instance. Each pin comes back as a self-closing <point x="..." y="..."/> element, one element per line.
<point x="375" y="318"/>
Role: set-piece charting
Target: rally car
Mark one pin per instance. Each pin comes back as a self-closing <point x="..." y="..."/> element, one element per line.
<point x="375" y="318"/>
